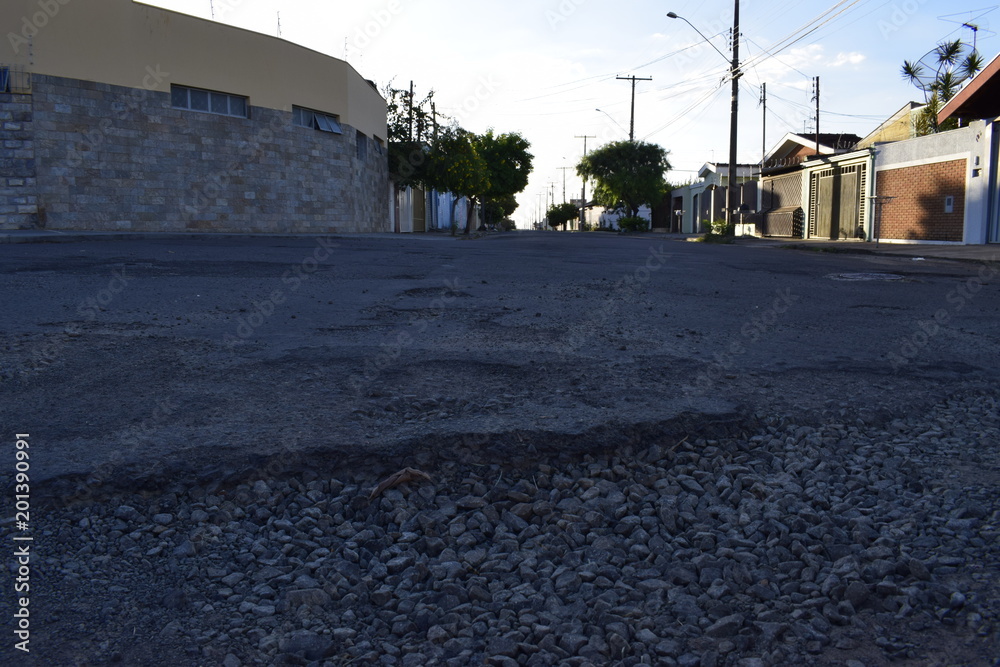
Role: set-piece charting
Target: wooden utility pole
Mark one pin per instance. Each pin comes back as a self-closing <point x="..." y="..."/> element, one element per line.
<point x="411" y="111"/>
<point x="763" y="136"/>
<point x="734" y="122"/>
<point x="583" y="193"/>
<point x="816" y="97"/>
<point x="633" y="79"/>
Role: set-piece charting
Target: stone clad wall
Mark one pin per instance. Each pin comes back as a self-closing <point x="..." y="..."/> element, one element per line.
<point x="114" y="158"/>
<point x="18" y="199"/>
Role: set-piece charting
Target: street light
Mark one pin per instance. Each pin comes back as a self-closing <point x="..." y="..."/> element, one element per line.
<point x="735" y="74"/>
<point x="613" y="120"/>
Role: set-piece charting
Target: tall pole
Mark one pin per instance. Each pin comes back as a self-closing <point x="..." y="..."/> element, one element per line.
<point x="817" y="114"/>
<point x="410" y="127"/>
<point x="583" y="193"/>
<point x="564" y="182"/>
<point x="763" y="136"/>
<point x="633" y="79"/>
<point x="734" y="122"/>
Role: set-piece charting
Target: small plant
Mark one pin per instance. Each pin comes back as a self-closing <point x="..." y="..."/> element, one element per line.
<point x="719" y="227"/>
<point x="633" y="224"/>
<point x="508" y="225"/>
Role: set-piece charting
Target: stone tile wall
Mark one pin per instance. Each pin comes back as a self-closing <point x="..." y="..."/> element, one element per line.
<point x="113" y="158"/>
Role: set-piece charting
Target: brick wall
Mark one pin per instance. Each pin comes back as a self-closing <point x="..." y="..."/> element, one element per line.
<point x="18" y="199"/>
<point x="918" y="212"/>
<point x="113" y="158"/>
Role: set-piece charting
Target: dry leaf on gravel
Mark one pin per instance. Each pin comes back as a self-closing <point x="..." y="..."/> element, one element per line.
<point x="395" y="479"/>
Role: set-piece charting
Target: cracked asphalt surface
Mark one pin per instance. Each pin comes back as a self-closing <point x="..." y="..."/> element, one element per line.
<point x="133" y="362"/>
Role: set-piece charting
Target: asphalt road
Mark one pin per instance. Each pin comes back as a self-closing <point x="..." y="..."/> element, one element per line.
<point x="140" y="361"/>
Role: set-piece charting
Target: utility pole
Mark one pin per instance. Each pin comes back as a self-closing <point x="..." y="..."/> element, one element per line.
<point x="816" y="97"/>
<point x="633" y="79"/>
<point x="763" y="136"/>
<point x="564" y="182"/>
<point x="411" y="111"/>
<point x="583" y="193"/>
<point x="279" y="24"/>
<point x="734" y="122"/>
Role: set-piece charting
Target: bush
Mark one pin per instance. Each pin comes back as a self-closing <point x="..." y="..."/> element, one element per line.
<point x="508" y="225"/>
<point x="633" y="224"/>
<point x="718" y="227"/>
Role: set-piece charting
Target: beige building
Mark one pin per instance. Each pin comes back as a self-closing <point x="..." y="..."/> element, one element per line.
<point x="127" y="116"/>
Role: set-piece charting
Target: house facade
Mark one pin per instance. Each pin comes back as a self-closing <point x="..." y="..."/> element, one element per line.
<point x="121" y="116"/>
<point x="801" y="181"/>
<point x="941" y="188"/>
<point x="694" y="207"/>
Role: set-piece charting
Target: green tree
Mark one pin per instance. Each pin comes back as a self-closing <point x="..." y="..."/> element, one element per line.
<point x="627" y="173"/>
<point x="509" y="165"/>
<point x="940" y="80"/>
<point x="454" y="165"/>
<point x="410" y="128"/>
<point x="560" y="214"/>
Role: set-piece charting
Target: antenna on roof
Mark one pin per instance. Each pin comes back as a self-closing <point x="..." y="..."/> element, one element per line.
<point x="975" y="33"/>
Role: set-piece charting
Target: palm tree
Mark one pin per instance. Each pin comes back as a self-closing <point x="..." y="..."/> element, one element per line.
<point x="952" y="64"/>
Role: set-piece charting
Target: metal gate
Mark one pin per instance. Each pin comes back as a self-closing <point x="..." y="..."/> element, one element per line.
<point x="419" y="210"/>
<point x="837" y="202"/>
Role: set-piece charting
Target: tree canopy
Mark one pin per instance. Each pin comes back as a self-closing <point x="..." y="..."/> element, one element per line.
<point x="509" y="165"/>
<point x="627" y="173"/>
<point x="560" y="214"/>
<point x="492" y="168"/>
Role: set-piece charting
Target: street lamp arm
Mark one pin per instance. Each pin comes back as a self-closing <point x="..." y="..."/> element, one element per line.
<point x="672" y="15"/>
<point x="611" y="118"/>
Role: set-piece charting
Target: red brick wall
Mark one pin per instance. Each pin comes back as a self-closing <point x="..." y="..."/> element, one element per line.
<point x="803" y="151"/>
<point x="917" y="213"/>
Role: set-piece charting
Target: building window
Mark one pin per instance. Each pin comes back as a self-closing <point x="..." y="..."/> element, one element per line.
<point x="379" y="145"/>
<point x="362" y="146"/>
<point x="14" y="79"/>
<point x="317" y="120"/>
<point x="209" y="101"/>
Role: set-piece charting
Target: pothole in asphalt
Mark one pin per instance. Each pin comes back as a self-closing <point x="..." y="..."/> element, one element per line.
<point x="851" y="277"/>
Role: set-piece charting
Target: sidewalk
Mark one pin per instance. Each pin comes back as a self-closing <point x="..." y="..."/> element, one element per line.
<point x="54" y="236"/>
<point x="962" y="253"/>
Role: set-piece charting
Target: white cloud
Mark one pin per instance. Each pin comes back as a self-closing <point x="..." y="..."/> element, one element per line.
<point x="852" y="58"/>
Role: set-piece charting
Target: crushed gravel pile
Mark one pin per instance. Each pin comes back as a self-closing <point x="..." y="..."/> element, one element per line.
<point x="847" y="544"/>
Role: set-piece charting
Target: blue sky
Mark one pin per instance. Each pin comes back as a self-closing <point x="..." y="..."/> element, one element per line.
<point x="544" y="67"/>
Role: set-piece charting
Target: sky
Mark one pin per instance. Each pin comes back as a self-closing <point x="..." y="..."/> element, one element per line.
<point x="548" y="68"/>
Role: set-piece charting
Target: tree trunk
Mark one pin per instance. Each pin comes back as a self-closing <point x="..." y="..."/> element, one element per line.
<point x="468" y="215"/>
<point x="451" y="224"/>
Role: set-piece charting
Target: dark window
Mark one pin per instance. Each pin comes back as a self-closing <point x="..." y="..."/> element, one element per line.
<point x="179" y="97"/>
<point x="4" y="80"/>
<point x="317" y="120"/>
<point x="220" y="104"/>
<point x="196" y="99"/>
<point x="199" y="100"/>
<point x="362" y="147"/>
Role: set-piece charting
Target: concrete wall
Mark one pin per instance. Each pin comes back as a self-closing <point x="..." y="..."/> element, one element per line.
<point x="129" y="44"/>
<point x="927" y="169"/>
<point x="115" y="158"/>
